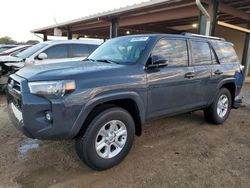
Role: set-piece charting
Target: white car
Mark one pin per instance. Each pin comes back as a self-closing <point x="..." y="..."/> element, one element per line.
<point x="46" y="53"/>
<point x="55" y="52"/>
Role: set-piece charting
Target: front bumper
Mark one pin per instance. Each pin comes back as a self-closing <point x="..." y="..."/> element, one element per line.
<point x="27" y="113"/>
<point x="15" y="116"/>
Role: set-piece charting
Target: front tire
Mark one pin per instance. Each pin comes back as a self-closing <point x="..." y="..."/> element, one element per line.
<point x="220" y="109"/>
<point x="107" y="140"/>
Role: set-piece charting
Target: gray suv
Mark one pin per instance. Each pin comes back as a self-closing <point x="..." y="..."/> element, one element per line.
<point x="103" y="101"/>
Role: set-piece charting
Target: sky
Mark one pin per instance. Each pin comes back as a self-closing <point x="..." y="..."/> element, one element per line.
<point x="19" y="17"/>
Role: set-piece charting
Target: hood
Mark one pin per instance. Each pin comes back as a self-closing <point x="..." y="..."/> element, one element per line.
<point x="65" y="70"/>
<point x="10" y="59"/>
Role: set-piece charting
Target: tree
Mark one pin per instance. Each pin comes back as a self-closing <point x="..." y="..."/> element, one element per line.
<point x="32" y="42"/>
<point x="7" y="40"/>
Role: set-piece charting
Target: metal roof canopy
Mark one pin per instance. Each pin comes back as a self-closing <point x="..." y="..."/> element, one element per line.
<point x="156" y="16"/>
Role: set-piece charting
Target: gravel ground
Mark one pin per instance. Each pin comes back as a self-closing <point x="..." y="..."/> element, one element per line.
<point x="182" y="151"/>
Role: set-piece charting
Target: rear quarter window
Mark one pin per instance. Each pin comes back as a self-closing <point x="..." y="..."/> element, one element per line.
<point x="225" y="52"/>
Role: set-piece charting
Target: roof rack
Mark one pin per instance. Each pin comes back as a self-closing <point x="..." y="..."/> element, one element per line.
<point x="202" y="36"/>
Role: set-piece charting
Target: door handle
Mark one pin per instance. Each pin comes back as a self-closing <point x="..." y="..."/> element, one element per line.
<point x="190" y="75"/>
<point x="218" y="72"/>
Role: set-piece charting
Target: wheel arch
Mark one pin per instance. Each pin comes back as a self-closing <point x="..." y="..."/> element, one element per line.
<point x="230" y="85"/>
<point x="130" y="101"/>
<point x="232" y="89"/>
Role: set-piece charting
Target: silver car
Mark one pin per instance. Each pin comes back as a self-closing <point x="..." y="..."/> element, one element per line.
<point x="46" y="53"/>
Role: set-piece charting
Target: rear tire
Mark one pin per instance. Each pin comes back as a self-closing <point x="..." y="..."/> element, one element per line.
<point x="107" y="140"/>
<point x="220" y="109"/>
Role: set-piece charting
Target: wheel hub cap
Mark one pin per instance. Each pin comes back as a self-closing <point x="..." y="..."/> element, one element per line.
<point x="111" y="139"/>
<point x="222" y="106"/>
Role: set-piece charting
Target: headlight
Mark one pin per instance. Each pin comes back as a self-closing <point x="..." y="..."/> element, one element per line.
<point x="52" y="89"/>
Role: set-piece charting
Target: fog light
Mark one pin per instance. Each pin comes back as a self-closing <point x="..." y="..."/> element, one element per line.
<point x="48" y="116"/>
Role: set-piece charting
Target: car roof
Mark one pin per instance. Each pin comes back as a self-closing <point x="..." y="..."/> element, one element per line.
<point x="184" y="36"/>
<point x="8" y="45"/>
<point x="82" y="41"/>
<point x="17" y="48"/>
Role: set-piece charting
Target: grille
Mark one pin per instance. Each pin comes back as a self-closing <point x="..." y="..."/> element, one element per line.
<point x="14" y="84"/>
<point x="15" y="93"/>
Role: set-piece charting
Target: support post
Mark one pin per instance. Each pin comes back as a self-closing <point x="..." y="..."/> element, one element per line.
<point x="202" y="24"/>
<point x="45" y="37"/>
<point x="205" y="18"/>
<point x="69" y="34"/>
<point x="114" y="28"/>
<point x="246" y="54"/>
<point x="214" y="17"/>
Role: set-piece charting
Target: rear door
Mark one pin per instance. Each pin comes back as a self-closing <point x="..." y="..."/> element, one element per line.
<point x="171" y="89"/>
<point x="202" y="63"/>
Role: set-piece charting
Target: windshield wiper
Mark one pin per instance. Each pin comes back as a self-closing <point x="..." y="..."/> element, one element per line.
<point x="106" y="61"/>
<point x="87" y="59"/>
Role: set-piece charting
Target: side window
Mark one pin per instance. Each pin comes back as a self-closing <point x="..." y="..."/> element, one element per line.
<point x="200" y="52"/>
<point x="79" y="50"/>
<point x="92" y="48"/>
<point x="57" y="52"/>
<point x="175" y="50"/>
<point x="214" y="59"/>
<point x="225" y="52"/>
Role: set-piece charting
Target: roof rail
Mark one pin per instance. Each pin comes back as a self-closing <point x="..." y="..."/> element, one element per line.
<point x="203" y="36"/>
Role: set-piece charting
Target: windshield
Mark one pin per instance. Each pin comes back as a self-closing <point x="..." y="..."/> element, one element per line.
<point x="30" y="51"/>
<point x="124" y="50"/>
<point x="13" y="49"/>
<point x="3" y="49"/>
<point x="16" y="52"/>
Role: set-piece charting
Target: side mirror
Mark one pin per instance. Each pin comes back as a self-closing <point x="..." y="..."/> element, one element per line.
<point x="42" y="56"/>
<point x="158" y="61"/>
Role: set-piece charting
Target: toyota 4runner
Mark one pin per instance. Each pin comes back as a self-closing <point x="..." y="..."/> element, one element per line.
<point x="103" y="101"/>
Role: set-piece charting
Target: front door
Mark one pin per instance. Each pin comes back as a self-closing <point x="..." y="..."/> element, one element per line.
<point x="171" y="89"/>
